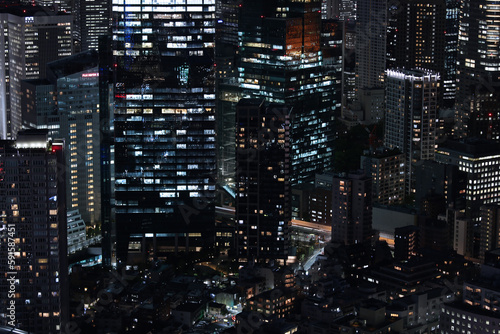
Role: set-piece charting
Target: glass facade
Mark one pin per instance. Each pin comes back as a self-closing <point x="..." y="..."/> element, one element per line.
<point x="280" y="59"/>
<point x="478" y="62"/>
<point x="164" y="125"/>
<point x="31" y="37"/>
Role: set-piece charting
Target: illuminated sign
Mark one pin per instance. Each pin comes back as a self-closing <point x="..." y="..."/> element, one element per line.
<point x="90" y="75"/>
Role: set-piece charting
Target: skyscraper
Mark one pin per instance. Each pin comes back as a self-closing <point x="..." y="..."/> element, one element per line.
<point x="68" y="108"/>
<point x="449" y="75"/>
<point x="33" y="234"/>
<point x="227" y="88"/>
<point x="420" y="33"/>
<point x="95" y="21"/>
<point x="478" y="63"/>
<point x="371" y="37"/>
<point x="263" y="210"/>
<point x="32" y="37"/>
<point x="77" y="121"/>
<point x="164" y="126"/>
<point x="280" y="59"/>
<point x="410" y="120"/>
<point x="352" y="208"/>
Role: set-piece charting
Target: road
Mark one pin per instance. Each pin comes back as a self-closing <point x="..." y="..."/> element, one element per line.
<point x="312" y="259"/>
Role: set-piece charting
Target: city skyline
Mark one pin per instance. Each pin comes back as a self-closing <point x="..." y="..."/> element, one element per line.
<point x="278" y="166"/>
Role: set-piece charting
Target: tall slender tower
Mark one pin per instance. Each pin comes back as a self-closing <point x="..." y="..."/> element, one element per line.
<point x="262" y="181"/>
<point x="410" y="120"/>
<point x="164" y="126"/>
<point x="33" y="234"/>
<point x="371" y="37"/>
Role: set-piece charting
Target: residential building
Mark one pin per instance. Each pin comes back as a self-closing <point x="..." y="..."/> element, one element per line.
<point x="410" y="120"/>
<point x="387" y="169"/>
<point x="490" y="229"/>
<point x="34" y="234"/>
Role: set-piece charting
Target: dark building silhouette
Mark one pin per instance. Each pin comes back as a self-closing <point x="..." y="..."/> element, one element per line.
<point x="439" y="180"/>
<point x="405" y="242"/>
<point x="351" y="208"/>
<point x="263" y="210"/>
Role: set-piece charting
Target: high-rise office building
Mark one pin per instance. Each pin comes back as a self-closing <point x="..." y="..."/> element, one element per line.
<point x="227" y="88"/>
<point x="410" y="120"/>
<point x="332" y="48"/>
<point x="371" y="37"/>
<point x="352" y="208"/>
<point x="280" y="60"/>
<point x="263" y="210"/>
<point x="343" y="10"/>
<point x="478" y="63"/>
<point x="32" y="37"/>
<point x="164" y="125"/>
<point x="420" y="34"/>
<point x="449" y="74"/>
<point x="77" y="121"/>
<point x="417" y="34"/>
<point x="106" y="109"/>
<point x="72" y="113"/>
<point x="348" y="65"/>
<point x="480" y="159"/>
<point x="33" y="235"/>
<point x="95" y="21"/>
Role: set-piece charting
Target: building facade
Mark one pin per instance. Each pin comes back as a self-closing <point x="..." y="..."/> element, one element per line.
<point x="32" y="37"/>
<point x="34" y="234"/>
<point x="352" y="208"/>
<point x="480" y="160"/>
<point x="478" y="62"/>
<point x="263" y="210"/>
<point x="164" y="125"/>
<point x="387" y="169"/>
<point x="410" y="120"/>
<point x="280" y="59"/>
<point x="371" y="38"/>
